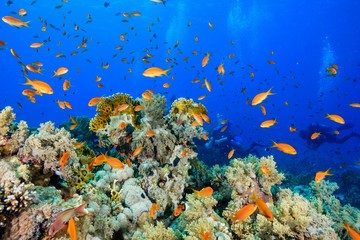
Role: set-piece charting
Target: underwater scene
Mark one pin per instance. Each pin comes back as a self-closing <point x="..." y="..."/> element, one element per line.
<point x="179" y="120"/>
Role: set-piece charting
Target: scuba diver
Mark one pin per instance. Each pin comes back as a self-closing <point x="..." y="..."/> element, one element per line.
<point x="327" y="134"/>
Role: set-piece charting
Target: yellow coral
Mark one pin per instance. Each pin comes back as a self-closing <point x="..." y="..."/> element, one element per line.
<point x="107" y="106"/>
<point x="83" y="178"/>
<point x="181" y="104"/>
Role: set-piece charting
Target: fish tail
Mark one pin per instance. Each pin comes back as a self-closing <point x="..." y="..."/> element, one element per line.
<point x="26" y="24"/>
<point x="327" y="172"/>
<point x="274" y="144"/>
<point x="165" y="72"/>
<point x="197" y="193"/>
<point x="28" y="81"/>
<point x="276" y="120"/>
<point x="81" y="209"/>
<point x="40" y="71"/>
<point x="254" y="197"/>
<point x="269" y="92"/>
<point x="54" y="74"/>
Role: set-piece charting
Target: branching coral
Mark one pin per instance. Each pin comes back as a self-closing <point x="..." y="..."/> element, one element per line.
<point x="153" y="111"/>
<point x="153" y="232"/>
<point x="18" y="138"/>
<point x="188" y="106"/>
<point x="107" y="106"/>
<point x="6" y="118"/>
<point x="46" y="148"/>
<point x="83" y="178"/>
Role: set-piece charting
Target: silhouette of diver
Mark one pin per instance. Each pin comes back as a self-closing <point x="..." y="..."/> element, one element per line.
<point x="327" y="135"/>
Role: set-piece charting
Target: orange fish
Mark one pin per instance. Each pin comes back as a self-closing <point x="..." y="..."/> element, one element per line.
<point x="94" y="101"/>
<point x="315" y="135"/>
<point x="178" y="210"/>
<point x="231" y="56"/>
<point x="99" y="160"/>
<point x="63" y="217"/>
<point x="243" y="213"/>
<point x="14" y="54"/>
<point x="66" y="85"/>
<point x="198" y="119"/>
<point x="271" y="62"/>
<point x="29" y="93"/>
<point x="32" y="99"/>
<point x="22" y="12"/>
<point x="336" y="132"/>
<point x="259" y="98"/>
<point x="205" y="60"/>
<point x="231" y="153"/>
<point x="40" y="86"/>
<point x="150" y="133"/>
<point x="121" y="108"/>
<point x="36" y="45"/>
<point x="252" y="74"/>
<point x="166" y="85"/>
<point x="265" y="170"/>
<point x="224" y="128"/>
<point x="114" y="162"/>
<point x="61" y="104"/>
<point x="292" y="129"/>
<point x="211" y="25"/>
<point x="334" y="66"/>
<point x="206" y="192"/>
<point x="263" y="109"/>
<point x="72" y="229"/>
<point x="2" y="43"/>
<point x="354" y="105"/>
<point x="64" y="159"/>
<point x="331" y="71"/>
<point x="97" y="79"/>
<point x="137" y="151"/>
<point x="223" y="121"/>
<point x="72" y="127"/>
<point x="206" y="118"/>
<point x="138" y="108"/>
<point x="263" y="208"/>
<point x="268" y="123"/>
<point x="221" y="69"/>
<point x="153" y="209"/>
<point x="12" y="21"/>
<point x="202" y="97"/>
<point x="335" y="118"/>
<point x="128" y="140"/>
<point x="206" y="235"/>
<point x="60" y="71"/>
<point x="321" y="175"/>
<point x="147" y="96"/>
<point x="208" y="85"/>
<point x="122" y="126"/>
<point x="155" y="72"/>
<point x="352" y="233"/>
<point x="284" y="147"/>
<point x="194" y="124"/>
<point x="34" y="69"/>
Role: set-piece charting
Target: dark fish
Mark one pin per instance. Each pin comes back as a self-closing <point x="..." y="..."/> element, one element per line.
<point x="106" y="4"/>
<point x="117" y="14"/>
<point x="9" y="3"/>
<point x="14" y="13"/>
<point x="88" y="60"/>
<point x="19" y="105"/>
<point x="84" y="50"/>
<point x="33" y="3"/>
<point x="58" y="6"/>
<point x="36" y="36"/>
<point x="342" y="165"/>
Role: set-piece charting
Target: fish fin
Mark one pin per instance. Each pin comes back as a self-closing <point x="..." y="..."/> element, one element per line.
<point x="197" y="193"/>
<point x="327" y="172"/>
<point x="276" y="120"/>
<point x="81" y="209"/>
<point x="28" y="81"/>
<point x="54" y="74"/>
<point x="26" y="24"/>
<point x="275" y="144"/>
<point x="269" y="92"/>
<point x="327" y="115"/>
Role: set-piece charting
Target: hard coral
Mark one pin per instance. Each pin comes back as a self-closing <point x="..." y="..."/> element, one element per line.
<point x="107" y="106"/>
<point x="6" y="117"/>
<point x="189" y="106"/>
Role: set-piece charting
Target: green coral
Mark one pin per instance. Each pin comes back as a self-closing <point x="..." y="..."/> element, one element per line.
<point x="107" y="106"/>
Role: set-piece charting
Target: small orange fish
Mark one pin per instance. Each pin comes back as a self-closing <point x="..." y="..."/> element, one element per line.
<point x="73" y="120"/>
<point x="94" y="101"/>
<point x="121" y="108"/>
<point x="137" y="151"/>
<point x="12" y="21"/>
<point x="352" y="233"/>
<point x="178" y="210"/>
<point x="153" y="209"/>
<point x="259" y="98"/>
<point x="206" y="118"/>
<point x="155" y="72"/>
<point x="284" y="147"/>
<point x="205" y="60"/>
<point x="321" y="175"/>
<point x="315" y="135"/>
<point x="78" y="145"/>
<point x="22" y="12"/>
<point x="36" y="45"/>
<point x="231" y="153"/>
<point x="63" y="217"/>
<point x="14" y="54"/>
<point x="206" y="192"/>
<point x="334" y="66"/>
<point x="354" y="105"/>
<point x="331" y="70"/>
<point x="206" y="235"/>
<point x="263" y="208"/>
<point x="128" y="162"/>
<point x="224" y="128"/>
<point x="186" y="151"/>
<point x="147" y="96"/>
<point x="122" y="126"/>
<point x="243" y="213"/>
<point x="206" y="136"/>
<point x="98" y="79"/>
<point x="128" y="140"/>
<point x="231" y="56"/>
<point x="66" y="85"/>
<point x="263" y="109"/>
<point x="72" y="127"/>
<point x="221" y="69"/>
<point x="40" y="86"/>
<point x="265" y="170"/>
<point x="252" y="74"/>
<point x="211" y="25"/>
<point x="198" y="119"/>
<point x="202" y="97"/>
<point x="223" y="121"/>
<point x="336" y="132"/>
<point x="72" y="229"/>
<point x="61" y="104"/>
<point x="271" y="62"/>
<point x="138" y="108"/>
<point x="268" y="123"/>
<point x="292" y="129"/>
<point x="60" y="71"/>
<point x="99" y="160"/>
<point x="64" y="159"/>
<point x="335" y="118"/>
<point x="208" y="85"/>
<point x="114" y="162"/>
<point x="150" y="133"/>
<point x="166" y="85"/>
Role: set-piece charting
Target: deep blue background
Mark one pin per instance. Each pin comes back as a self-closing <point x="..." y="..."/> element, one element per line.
<point x="305" y="36"/>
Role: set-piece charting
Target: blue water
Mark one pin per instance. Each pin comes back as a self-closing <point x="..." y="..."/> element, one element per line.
<point x="305" y="36"/>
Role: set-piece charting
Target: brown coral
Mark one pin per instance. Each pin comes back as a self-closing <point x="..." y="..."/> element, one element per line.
<point x="107" y="106"/>
<point x="181" y="104"/>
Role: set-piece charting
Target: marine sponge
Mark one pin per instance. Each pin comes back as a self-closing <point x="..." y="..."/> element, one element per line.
<point x="158" y="232"/>
<point x="107" y="106"/>
<point x="153" y="112"/>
